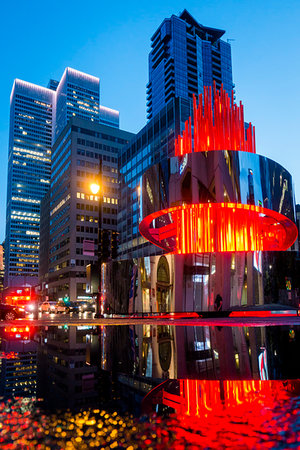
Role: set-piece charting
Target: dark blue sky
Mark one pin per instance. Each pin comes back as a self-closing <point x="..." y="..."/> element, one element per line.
<point x="112" y="40"/>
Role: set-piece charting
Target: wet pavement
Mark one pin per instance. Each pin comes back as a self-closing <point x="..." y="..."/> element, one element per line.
<point x="70" y="382"/>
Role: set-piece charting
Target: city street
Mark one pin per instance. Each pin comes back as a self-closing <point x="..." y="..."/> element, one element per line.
<point x="56" y="320"/>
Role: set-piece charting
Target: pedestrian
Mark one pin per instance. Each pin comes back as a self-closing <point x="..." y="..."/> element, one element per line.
<point x="218" y="303"/>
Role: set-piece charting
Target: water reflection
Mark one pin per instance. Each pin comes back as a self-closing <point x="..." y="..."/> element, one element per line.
<point x="191" y="376"/>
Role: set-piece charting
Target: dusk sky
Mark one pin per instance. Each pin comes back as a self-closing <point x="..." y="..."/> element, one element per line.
<point x="111" y="40"/>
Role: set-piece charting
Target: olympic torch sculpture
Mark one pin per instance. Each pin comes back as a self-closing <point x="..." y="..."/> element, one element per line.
<point x="218" y="124"/>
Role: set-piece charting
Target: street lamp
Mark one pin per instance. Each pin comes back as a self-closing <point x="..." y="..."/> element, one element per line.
<point x="97" y="187"/>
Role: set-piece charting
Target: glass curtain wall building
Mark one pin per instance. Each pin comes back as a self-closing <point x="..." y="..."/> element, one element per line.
<point x="186" y="56"/>
<point x="29" y="167"/>
<point x="37" y="115"/>
<point x="77" y="94"/>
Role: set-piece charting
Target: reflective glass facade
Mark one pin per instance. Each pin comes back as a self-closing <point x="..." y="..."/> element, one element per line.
<point x="186" y="56"/>
<point x="37" y="116"/>
<point x="78" y="94"/>
<point x="154" y="143"/>
<point x="29" y="166"/>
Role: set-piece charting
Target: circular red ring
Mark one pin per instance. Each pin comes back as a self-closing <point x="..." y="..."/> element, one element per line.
<point x="218" y="227"/>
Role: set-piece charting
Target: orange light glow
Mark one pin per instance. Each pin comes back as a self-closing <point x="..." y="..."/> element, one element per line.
<point x="95" y="188"/>
<point x="218" y="227"/>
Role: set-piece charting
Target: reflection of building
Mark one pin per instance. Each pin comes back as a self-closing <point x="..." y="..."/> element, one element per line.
<point x="65" y="378"/>
<point x="70" y="212"/>
<point x="184" y="57"/>
<point x="18" y="372"/>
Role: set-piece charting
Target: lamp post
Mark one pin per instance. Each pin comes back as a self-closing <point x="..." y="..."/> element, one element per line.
<point x="95" y="189"/>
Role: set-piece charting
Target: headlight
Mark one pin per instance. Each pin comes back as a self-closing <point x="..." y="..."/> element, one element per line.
<point x="21" y="309"/>
<point x="31" y="307"/>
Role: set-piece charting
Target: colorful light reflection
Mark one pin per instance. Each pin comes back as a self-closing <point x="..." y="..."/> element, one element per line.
<point x="218" y="227"/>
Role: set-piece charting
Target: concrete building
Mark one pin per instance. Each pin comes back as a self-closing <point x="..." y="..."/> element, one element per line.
<point x="72" y="211"/>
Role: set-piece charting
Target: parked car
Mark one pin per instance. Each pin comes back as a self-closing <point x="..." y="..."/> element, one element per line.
<point x="87" y="306"/>
<point x="72" y="307"/>
<point x="10" y="312"/>
<point x="47" y="307"/>
<point x="60" y="308"/>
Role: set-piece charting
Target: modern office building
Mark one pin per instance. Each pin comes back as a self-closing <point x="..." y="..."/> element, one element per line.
<point x="29" y="166"/>
<point x="153" y="144"/>
<point x="77" y="94"/>
<point x="186" y="56"/>
<point x="37" y="116"/>
<point x="72" y="210"/>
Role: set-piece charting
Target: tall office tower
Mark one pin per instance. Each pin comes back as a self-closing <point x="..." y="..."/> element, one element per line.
<point x="29" y="165"/>
<point x="77" y="94"/>
<point x="37" y="115"/>
<point x="186" y="56"/>
<point x="72" y="210"/>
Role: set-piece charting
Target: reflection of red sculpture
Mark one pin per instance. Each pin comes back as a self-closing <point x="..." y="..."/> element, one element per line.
<point x="218" y="125"/>
<point x="219" y="227"/>
<point x="199" y="397"/>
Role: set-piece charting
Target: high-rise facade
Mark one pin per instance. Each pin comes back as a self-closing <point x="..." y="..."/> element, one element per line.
<point x="70" y="211"/>
<point x="186" y="56"/>
<point x="77" y="94"/>
<point x="37" y="116"/>
<point x="29" y="166"/>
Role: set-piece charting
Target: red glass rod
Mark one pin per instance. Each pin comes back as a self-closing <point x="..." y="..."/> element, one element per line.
<point x="218" y="227"/>
<point x="218" y="124"/>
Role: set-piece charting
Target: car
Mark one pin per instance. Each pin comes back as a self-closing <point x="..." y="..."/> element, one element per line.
<point x="72" y="307"/>
<point x="60" y="308"/>
<point x="11" y="312"/>
<point x="47" y="307"/>
<point x="87" y="306"/>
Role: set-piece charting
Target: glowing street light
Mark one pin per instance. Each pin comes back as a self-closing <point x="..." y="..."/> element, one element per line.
<point x="95" y="188"/>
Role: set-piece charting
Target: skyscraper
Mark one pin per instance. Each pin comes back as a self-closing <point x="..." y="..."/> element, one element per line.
<point x="77" y="94"/>
<point x="37" y="116"/>
<point x="29" y="166"/>
<point x="186" y="56"/>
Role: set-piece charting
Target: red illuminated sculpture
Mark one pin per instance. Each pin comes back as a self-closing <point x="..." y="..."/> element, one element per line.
<point x="218" y="124"/>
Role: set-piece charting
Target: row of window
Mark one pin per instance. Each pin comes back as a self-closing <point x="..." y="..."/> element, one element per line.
<point x="86" y="218"/>
<point x="106" y="189"/>
<point x="87" y="207"/>
<point x="107" y="137"/>
<point x="96" y="155"/>
<point x="82" y="173"/>
<point x="81" y="229"/>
